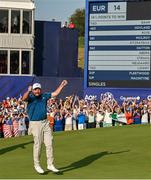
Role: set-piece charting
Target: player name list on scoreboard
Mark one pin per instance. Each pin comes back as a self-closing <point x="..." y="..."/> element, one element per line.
<point x="119" y="49"/>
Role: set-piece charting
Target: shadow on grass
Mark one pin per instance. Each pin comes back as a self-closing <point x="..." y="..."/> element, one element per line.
<point x="88" y="160"/>
<point x="12" y="148"/>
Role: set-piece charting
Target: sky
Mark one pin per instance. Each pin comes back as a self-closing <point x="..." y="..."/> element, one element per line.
<point x="60" y="10"/>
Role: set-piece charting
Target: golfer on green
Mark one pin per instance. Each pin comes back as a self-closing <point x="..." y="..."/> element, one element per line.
<point x="39" y="125"/>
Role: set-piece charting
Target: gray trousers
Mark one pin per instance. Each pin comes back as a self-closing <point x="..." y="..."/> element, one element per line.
<point x="41" y="132"/>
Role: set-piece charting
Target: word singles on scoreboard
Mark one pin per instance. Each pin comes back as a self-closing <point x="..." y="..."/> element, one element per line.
<point x="119" y="44"/>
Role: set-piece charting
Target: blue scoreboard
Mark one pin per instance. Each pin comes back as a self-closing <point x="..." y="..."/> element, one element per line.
<point x="118" y="44"/>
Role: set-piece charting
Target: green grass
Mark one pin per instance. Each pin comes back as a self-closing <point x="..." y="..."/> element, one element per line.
<point x="81" y="58"/>
<point x="81" y="53"/>
<point x="117" y="153"/>
<point x="81" y="42"/>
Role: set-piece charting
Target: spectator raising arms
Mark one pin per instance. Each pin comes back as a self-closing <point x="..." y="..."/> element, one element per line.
<point x="73" y="113"/>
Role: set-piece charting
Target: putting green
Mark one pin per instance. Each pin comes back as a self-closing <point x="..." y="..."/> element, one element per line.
<point x="116" y="152"/>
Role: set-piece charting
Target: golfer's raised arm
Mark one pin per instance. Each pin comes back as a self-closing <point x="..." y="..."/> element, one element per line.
<point x="26" y="94"/>
<point x="59" y="89"/>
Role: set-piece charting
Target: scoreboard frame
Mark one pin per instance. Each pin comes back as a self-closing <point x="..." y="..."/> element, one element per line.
<point x="121" y="90"/>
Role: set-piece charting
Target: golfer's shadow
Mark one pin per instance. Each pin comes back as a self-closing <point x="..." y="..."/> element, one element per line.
<point x="88" y="160"/>
<point x="12" y="148"/>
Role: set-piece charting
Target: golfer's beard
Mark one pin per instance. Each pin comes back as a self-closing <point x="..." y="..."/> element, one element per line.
<point x="37" y="94"/>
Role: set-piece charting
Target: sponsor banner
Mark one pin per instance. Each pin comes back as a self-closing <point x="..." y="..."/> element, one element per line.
<point x="119" y="94"/>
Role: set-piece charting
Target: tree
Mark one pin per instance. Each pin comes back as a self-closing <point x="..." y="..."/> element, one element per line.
<point x="78" y="18"/>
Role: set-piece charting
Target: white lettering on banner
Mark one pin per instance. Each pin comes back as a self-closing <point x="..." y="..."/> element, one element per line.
<point x="129" y="98"/>
<point x="90" y="97"/>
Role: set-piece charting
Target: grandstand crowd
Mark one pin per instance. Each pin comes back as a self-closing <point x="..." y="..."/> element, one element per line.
<point x="74" y="113"/>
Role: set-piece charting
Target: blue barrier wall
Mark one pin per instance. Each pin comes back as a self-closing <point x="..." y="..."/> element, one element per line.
<point x="38" y="55"/>
<point x="51" y="48"/>
<point x="46" y="59"/>
<point x="68" y="52"/>
<point x="56" y="50"/>
<point x="14" y="86"/>
<point x="75" y="85"/>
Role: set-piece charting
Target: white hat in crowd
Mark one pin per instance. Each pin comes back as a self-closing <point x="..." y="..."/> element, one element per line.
<point x="36" y="85"/>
